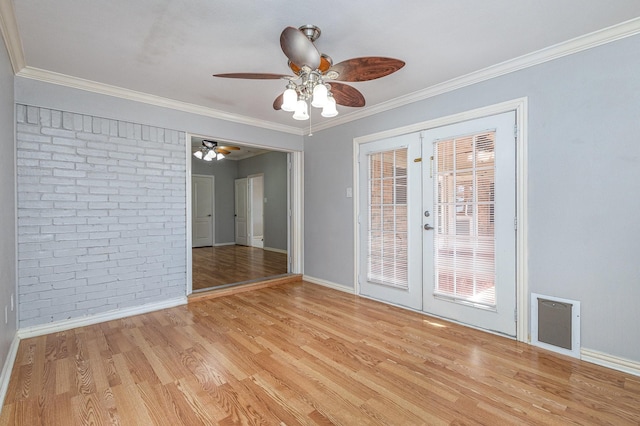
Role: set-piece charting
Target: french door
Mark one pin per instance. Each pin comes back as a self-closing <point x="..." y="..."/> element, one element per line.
<point x="390" y="265"/>
<point x="460" y="238"/>
<point x="469" y="195"/>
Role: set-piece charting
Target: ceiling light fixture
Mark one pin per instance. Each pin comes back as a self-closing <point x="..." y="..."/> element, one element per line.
<point x="210" y="150"/>
<point x="310" y="88"/>
<point x="312" y="70"/>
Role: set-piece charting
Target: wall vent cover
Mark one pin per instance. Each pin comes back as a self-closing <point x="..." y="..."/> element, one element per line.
<point x="555" y="324"/>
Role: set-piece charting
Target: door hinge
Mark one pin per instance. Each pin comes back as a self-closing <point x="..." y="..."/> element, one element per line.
<point x="515" y="223"/>
<point x="515" y="131"/>
<point x="515" y="314"/>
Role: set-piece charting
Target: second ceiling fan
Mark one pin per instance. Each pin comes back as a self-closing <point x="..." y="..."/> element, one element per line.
<point x="313" y="72"/>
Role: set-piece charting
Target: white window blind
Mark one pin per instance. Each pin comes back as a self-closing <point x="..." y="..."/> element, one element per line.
<point x="464" y="240"/>
<point x="387" y="234"/>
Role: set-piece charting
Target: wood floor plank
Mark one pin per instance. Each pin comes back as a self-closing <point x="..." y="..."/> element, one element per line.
<point x="222" y="265"/>
<point x="298" y="353"/>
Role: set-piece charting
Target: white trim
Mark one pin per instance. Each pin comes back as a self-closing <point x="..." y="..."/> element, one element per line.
<point x="522" y="217"/>
<point x="132" y="95"/>
<point x="8" y="367"/>
<point x="578" y="44"/>
<point x="188" y="224"/>
<point x="277" y="250"/>
<point x="255" y="240"/>
<point x="329" y="284"/>
<point x="57" y="326"/>
<point x="520" y="107"/>
<point x="610" y="361"/>
<point x="296" y="212"/>
<point x="11" y="35"/>
<point x="597" y="38"/>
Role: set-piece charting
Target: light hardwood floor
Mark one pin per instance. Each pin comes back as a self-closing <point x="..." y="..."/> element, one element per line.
<point x="216" y="266"/>
<point x="303" y="354"/>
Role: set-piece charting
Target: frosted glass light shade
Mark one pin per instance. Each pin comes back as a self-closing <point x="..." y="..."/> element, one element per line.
<point x="301" y="111"/>
<point x="329" y="109"/>
<point x="198" y="155"/>
<point x="210" y="156"/>
<point x="219" y="156"/>
<point x="289" y="100"/>
<point x="319" y="96"/>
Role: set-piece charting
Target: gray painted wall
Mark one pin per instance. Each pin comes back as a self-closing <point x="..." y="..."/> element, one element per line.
<point x="274" y="167"/>
<point x="7" y="205"/>
<point x="225" y="172"/>
<point x="584" y="181"/>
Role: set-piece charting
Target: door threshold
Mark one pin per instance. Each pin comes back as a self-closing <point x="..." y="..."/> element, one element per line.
<point x="241" y="287"/>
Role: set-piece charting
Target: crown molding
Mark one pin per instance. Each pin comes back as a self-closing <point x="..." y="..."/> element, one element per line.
<point x="578" y="44"/>
<point x="9" y="30"/>
<point x="119" y="92"/>
<point x="607" y="35"/>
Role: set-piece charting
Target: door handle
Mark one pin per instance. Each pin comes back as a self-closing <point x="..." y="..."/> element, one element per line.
<point x="209" y="215"/>
<point x="427" y="227"/>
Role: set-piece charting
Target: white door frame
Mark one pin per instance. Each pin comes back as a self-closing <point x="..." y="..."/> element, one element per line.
<point x="213" y="207"/>
<point x="520" y="107"/>
<point x="252" y="210"/>
<point x="295" y="200"/>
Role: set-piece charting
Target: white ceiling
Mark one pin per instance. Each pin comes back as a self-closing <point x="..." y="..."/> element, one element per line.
<point x="171" y="48"/>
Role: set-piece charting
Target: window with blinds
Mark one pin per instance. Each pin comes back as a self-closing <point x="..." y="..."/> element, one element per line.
<point x="387" y="234"/>
<point x="464" y="203"/>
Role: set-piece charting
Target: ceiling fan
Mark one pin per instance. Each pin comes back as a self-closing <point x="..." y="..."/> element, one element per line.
<point x="314" y="70"/>
<point x="210" y="150"/>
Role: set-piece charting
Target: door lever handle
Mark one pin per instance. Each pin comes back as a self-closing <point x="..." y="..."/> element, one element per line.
<point x="427" y="227"/>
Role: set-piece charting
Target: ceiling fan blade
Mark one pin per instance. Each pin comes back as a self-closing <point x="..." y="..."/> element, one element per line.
<point x="277" y="103"/>
<point x="299" y="49"/>
<point x="223" y="151"/>
<point x="366" y="68"/>
<point x="254" y="76"/>
<point x="229" y="148"/>
<point x="347" y="95"/>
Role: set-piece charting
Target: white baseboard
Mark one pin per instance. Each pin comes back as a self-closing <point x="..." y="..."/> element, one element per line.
<point x="57" y="326"/>
<point x="274" y="249"/>
<point x="610" y="361"/>
<point x="232" y="243"/>
<point x="7" y="368"/>
<point x="329" y="284"/>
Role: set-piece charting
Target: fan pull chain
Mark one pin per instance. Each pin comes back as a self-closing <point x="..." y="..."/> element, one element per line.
<point x="310" y="134"/>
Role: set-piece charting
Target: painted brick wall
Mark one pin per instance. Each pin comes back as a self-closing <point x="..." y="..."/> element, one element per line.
<point x="101" y="215"/>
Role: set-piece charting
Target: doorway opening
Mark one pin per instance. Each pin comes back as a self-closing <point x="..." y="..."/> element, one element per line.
<point x="254" y="220"/>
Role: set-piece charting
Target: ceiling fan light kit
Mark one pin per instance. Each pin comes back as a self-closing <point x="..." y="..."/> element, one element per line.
<point x="312" y="71"/>
<point x="210" y="150"/>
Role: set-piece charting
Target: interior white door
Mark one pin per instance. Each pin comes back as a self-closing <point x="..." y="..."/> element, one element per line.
<point x="202" y="220"/>
<point x="241" y="211"/>
<point x="256" y="210"/>
<point x="469" y="238"/>
<point x="390" y="263"/>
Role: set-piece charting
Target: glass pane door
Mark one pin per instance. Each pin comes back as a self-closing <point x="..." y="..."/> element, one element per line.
<point x="464" y="239"/>
<point x="389" y="221"/>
